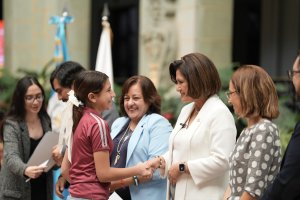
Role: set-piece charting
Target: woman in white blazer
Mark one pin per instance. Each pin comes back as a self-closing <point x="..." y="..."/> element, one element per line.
<point x="204" y="135"/>
<point x="139" y="136"/>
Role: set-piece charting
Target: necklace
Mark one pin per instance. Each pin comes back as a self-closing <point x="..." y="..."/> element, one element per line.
<point x="123" y="139"/>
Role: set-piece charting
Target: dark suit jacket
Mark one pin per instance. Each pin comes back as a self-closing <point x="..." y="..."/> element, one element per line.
<point x="16" y="155"/>
<point x="286" y="185"/>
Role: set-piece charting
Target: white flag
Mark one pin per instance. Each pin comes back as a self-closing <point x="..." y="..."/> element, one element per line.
<point x="104" y="59"/>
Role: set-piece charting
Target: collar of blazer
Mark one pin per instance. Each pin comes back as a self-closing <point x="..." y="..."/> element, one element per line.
<point x="135" y="136"/>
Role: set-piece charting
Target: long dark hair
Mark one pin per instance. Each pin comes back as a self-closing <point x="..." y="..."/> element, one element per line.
<point x="85" y="83"/>
<point x="17" y="110"/>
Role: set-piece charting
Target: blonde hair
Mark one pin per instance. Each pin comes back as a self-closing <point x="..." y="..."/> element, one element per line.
<point x="257" y="92"/>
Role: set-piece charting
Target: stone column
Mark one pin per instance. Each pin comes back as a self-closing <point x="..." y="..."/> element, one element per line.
<point x="158" y="39"/>
<point x="205" y="26"/>
<point x="170" y="29"/>
<point x="29" y="39"/>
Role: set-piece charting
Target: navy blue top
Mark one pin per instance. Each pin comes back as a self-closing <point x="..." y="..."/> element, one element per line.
<point x="38" y="185"/>
<point x="121" y="145"/>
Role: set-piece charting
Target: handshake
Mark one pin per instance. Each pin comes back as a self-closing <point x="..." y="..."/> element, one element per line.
<point x="147" y="168"/>
<point x="143" y="173"/>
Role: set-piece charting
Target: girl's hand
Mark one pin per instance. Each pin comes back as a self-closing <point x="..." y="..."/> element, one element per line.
<point x="144" y="169"/>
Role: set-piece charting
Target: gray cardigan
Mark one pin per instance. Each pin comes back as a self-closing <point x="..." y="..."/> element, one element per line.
<point x="16" y="154"/>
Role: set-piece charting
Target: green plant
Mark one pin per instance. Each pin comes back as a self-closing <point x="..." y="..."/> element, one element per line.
<point x="170" y="104"/>
<point x="8" y="81"/>
<point x="287" y="117"/>
<point x="7" y="85"/>
<point x="43" y="75"/>
<point x="117" y="90"/>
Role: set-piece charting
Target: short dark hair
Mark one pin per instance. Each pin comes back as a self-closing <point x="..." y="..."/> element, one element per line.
<point x="66" y="73"/>
<point x="200" y="73"/>
<point x="150" y="94"/>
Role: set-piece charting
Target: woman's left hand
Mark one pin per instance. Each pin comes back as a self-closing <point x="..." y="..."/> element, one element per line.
<point x="174" y="173"/>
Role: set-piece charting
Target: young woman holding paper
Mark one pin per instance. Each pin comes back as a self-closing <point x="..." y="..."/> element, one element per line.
<point x="24" y="126"/>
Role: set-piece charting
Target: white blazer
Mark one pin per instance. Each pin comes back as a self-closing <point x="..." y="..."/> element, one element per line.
<point x="212" y="136"/>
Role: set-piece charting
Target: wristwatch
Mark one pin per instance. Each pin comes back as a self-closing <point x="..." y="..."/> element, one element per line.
<point x="182" y="167"/>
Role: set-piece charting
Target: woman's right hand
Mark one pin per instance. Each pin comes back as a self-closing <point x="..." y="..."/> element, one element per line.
<point x="157" y="162"/>
<point x="34" y="171"/>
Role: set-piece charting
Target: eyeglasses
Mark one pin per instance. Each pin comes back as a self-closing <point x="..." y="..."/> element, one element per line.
<point x="32" y="98"/>
<point x="228" y="93"/>
<point x="291" y="73"/>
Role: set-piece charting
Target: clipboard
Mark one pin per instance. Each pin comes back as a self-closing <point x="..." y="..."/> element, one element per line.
<point x="42" y="154"/>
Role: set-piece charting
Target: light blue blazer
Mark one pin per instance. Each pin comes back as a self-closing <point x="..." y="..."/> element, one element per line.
<point x="150" y="138"/>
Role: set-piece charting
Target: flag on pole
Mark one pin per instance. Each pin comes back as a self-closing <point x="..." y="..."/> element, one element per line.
<point x="55" y="106"/>
<point x="104" y="58"/>
<point x="104" y="61"/>
<point x="61" y="52"/>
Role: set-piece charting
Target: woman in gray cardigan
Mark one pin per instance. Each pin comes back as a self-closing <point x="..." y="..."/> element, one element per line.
<point x="24" y="126"/>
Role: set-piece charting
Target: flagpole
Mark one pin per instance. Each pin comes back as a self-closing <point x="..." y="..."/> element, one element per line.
<point x="104" y="57"/>
<point x="105" y="12"/>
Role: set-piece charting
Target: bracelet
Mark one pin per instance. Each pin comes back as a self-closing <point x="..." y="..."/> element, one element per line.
<point x="135" y="180"/>
<point x="160" y="161"/>
<point x="67" y="184"/>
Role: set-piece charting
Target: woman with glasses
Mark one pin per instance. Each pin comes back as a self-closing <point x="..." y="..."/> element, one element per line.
<point x="197" y="162"/>
<point x="24" y="126"/>
<point x="255" y="159"/>
<point x="291" y="73"/>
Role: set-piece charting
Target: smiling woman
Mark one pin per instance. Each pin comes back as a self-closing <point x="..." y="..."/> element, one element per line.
<point x="197" y="162"/>
<point x="258" y="146"/>
<point x="139" y="136"/>
<point x="91" y="146"/>
<point x="23" y="128"/>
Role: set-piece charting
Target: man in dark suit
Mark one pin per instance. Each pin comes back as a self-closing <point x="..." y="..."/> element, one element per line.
<point x="286" y="185"/>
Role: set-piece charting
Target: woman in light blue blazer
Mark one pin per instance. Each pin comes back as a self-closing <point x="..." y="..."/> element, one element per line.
<point x="139" y="136"/>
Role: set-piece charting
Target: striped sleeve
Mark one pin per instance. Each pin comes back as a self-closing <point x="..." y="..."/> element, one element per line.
<point x="99" y="134"/>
